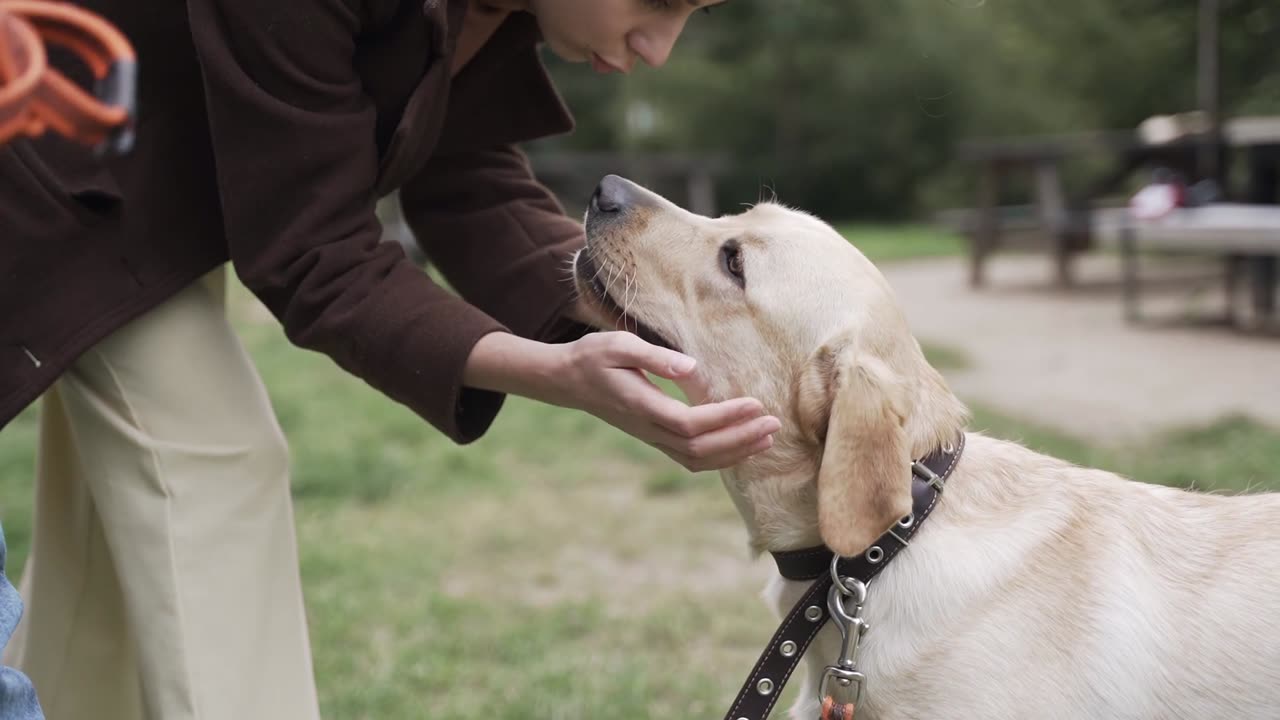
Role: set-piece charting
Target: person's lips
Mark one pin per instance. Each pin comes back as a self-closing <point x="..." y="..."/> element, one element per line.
<point x="603" y="66"/>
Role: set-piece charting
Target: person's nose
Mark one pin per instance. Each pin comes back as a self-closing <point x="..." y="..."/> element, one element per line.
<point x="653" y="45"/>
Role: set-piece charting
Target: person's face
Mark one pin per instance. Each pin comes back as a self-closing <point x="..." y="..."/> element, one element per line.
<point x="613" y="34"/>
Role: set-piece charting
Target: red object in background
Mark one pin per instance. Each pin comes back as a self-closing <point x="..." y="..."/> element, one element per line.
<point x="35" y="98"/>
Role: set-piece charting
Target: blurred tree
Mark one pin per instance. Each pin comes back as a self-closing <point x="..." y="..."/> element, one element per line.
<point x="853" y="109"/>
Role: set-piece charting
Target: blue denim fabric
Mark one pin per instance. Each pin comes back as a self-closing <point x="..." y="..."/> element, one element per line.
<point x="17" y="695"/>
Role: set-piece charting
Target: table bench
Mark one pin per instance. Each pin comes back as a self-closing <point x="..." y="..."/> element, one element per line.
<point x="1246" y="236"/>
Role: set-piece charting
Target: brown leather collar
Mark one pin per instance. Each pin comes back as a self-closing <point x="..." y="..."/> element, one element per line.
<point x="808" y="616"/>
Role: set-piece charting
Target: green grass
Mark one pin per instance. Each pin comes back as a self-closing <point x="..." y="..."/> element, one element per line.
<point x="555" y="569"/>
<point x="17" y="471"/>
<point x="1233" y="454"/>
<point x="882" y="243"/>
<point x="945" y="358"/>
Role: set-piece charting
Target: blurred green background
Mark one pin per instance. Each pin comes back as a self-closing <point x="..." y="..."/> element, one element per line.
<point x="854" y="109"/>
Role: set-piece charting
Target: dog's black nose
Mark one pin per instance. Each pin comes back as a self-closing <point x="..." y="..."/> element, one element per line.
<point x="612" y="195"/>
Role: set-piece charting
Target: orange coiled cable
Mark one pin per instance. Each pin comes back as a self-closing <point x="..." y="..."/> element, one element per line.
<point x="36" y="98"/>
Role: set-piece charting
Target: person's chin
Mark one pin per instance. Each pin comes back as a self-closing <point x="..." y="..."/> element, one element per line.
<point x="567" y="52"/>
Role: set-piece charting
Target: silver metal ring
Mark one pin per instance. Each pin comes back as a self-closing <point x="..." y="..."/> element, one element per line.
<point x="874" y="554"/>
<point x="813" y="613"/>
<point x="907" y="521"/>
<point x="788" y="648"/>
<point x="765" y="686"/>
<point x="849" y="587"/>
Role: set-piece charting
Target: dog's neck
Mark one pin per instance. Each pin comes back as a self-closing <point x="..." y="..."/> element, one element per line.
<point x="778" y="507"/>
<point x="775" y="492"/>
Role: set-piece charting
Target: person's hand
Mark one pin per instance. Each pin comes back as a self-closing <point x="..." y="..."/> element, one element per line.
<point x="604" y="374"/>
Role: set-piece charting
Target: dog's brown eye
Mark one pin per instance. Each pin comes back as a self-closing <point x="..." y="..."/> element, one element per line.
<point x="731" y="261"/>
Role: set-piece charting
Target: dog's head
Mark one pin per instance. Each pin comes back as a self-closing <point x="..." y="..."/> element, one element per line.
<point x="776" y="305"/>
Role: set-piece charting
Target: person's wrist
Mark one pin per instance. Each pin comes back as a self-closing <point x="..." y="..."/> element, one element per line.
<point x="507" y="363"/>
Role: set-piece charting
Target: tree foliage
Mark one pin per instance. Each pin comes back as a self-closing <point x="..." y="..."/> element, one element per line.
<point x="853" y="108"/>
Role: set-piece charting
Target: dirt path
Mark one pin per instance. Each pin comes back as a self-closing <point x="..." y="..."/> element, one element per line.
<point x="1069" y="361"/>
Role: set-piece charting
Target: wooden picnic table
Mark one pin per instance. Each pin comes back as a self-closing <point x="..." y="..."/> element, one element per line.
<point x="1067" y="221"/>
<point x="1064" y="227"/>
<point x="1246" y="236"/>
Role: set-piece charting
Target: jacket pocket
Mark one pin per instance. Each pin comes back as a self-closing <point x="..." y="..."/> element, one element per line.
<point x="81" y="187"/>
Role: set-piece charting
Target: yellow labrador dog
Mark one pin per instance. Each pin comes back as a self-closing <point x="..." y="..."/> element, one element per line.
<point x="1036" y="589"/>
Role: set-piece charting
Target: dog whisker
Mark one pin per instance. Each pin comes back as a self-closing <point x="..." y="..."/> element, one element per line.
<point x="608" y="283"/>
<point x="567" y="271"/>
<point x="627" y="297"/>
<point x="599" y="269"/>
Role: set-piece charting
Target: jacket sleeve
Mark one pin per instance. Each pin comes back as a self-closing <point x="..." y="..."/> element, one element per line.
<point x="296" y="161"/>
<point x="499" y="237"/>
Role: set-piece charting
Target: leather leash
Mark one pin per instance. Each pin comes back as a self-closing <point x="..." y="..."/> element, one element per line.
<point x="808" y="616"/>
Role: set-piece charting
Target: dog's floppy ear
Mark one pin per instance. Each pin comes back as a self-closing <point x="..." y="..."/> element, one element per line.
<point x="855" y="407"/>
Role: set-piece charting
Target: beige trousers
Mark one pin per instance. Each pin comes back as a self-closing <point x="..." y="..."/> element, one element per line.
<point x="163" y="578"/>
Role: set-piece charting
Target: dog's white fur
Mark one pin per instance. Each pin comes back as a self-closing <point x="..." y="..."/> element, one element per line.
<point x="1037" y="589"/>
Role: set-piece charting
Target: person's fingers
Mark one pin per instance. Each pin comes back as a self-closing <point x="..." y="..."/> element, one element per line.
<point x="694" y="386"/>
<point x="691" y="421"/>
<point x="699" y="437"/>
<point x="641" y="397"/>
<point x="724" y="442"/>
<point x="624" y="349"/>
<point x="721" y="461"/>
<point x="628" y="350"/>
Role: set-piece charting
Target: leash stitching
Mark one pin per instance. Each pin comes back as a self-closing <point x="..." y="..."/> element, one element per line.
<point x="742" y="696"/>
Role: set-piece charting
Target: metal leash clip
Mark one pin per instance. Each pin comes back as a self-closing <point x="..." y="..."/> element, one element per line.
<point x="852" y="627"/>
